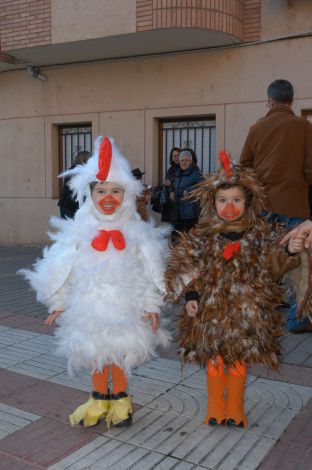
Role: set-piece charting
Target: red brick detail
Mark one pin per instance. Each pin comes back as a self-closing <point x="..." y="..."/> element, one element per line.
<point x="225" y="16"/>
<point x="44" y="442"/>
<point x="25" y="322"/>
<point x="252" y="20"/>
<point x="9" y="461"/>
<point x="50" y="438"/>
<point x="144" y="15"/>
<point x="24" y="23"/>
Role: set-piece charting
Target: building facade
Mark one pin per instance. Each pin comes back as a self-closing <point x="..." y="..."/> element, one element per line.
<point x="150" y="73"/>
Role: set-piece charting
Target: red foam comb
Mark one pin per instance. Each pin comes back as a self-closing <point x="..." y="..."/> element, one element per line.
<point x="225" y="162"/>
<point x="105" y="158"/>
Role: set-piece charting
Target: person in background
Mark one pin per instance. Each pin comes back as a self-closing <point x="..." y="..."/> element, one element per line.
<point x="186" y="211"/>
<point x="166" y="205"/>
<point x="67" y="203"/>
<point x="144" y="198"/>
<point x="174" y="165"/>
<point x="279" y="148"/>
<point x="305" y="228"/>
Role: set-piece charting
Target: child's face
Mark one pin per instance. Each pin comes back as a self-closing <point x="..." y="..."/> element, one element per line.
<point x="107" y="197"/>
<point x="230" y="203"/>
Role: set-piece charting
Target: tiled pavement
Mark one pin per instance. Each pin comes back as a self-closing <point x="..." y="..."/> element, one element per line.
<point x="36" y="396"/>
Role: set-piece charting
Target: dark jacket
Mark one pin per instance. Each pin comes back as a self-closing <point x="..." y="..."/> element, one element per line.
<point x="184" y="181"/>
<point x="67" y="200"/>
<point x="171" y="172"/>
<point x="279" y="148"/>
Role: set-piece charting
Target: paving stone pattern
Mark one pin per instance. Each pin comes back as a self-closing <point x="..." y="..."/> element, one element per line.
<point x="12" y="419"/>
<point x="170" y="419"/>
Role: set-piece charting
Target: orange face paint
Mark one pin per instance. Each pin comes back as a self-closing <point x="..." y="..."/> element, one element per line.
<point x="230" y="212"/>
<point x="108" y="204"/>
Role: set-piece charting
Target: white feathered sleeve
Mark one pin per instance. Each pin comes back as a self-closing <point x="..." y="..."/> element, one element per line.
<point x="50" y="277"/>
<point x="154" y="257"/>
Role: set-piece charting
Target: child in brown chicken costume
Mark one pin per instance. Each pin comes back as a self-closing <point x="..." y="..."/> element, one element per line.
<point x="228" y="267"/>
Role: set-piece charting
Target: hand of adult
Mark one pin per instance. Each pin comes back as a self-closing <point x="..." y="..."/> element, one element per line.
<point x="295" y="245"/>
<point x="172" y="196"/>
<point x="305" y="228"/>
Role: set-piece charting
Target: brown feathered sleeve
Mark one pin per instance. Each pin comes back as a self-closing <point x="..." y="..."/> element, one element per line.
<point x="141" y="208"/>
<point x="185" y="267"/>
<point x="278" y="262"/>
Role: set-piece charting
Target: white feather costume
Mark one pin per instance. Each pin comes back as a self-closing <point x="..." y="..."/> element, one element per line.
<point x="104" y="294"/>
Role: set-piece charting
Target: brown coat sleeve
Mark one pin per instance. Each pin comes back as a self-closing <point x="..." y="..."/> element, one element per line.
<point x="247" y="155"/>
<point x="278" y="262"/>
<point x="307" y="169"/>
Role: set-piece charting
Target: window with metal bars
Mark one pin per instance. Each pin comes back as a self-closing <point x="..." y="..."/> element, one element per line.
<point x="199" y="134"/>
<point x="72" y="140"/>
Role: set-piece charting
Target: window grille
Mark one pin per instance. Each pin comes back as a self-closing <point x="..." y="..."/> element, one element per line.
<point x="197" y="134"/>
<point x="73" y="139"/>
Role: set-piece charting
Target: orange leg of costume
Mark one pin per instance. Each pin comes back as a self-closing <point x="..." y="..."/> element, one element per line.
<point x="235" y="383"/>
<point x="216" y="381"/>
<point x="100" y="381"/>
<point x="120" y="381"/>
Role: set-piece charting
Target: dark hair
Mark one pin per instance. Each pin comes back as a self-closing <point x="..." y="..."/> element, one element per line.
<point x="281" y="91"/>
<point x="92" y="185"/>
<point x="174" y="149"/>
<point x="82" y="157"/>
<point x="248" y="194"/>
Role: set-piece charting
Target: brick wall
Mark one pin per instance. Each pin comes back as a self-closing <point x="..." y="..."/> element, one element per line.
<point x="252" y="20"/>
<point x="240" y="18"/>
<point x="24" y="23"/>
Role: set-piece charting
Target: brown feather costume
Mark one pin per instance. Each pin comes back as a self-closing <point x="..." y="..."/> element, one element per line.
<point x="238" y="317"/>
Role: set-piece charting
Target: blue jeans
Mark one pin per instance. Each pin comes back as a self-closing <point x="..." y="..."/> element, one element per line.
<point x="289" y="223"/>
<point x="290" y="309"/>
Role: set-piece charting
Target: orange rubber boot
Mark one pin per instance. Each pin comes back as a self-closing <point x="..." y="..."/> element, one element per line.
<point x="100" y="381"/>
<point x="235" y="382"/>
<point x="120" y="409"/>
<point x="216" y="381"/>
<point x="119" y="378"/>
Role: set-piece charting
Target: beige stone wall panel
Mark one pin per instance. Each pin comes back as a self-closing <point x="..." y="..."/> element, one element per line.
<point x="122" y="125"/>
<point x="281" y="18"/>
<point x="26" y="220"/>
<point x="22" y="158"/>
<point x="75" y="20"/>
<point x="224" y="76"/>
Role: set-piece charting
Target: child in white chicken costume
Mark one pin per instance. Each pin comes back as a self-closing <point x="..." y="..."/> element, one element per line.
<point x="103" y="281"/>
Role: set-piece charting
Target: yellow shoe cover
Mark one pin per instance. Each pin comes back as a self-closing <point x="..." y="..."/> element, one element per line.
<point x="120" y="411"/>
<point x="90" y="413"/>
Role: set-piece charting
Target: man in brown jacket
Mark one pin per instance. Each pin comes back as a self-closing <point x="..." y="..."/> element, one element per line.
<point x="279" y="148"/>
